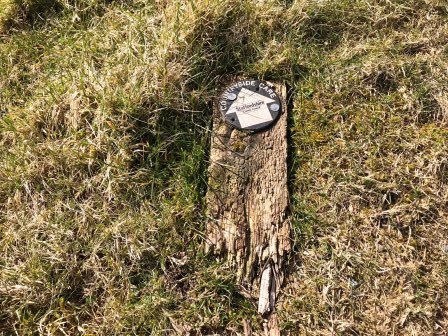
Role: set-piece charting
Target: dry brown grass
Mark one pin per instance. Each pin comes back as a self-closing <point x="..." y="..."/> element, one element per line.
<point x="103" y="152"/>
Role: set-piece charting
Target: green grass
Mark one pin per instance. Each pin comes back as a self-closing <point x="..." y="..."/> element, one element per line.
<point x="104" y="135"/>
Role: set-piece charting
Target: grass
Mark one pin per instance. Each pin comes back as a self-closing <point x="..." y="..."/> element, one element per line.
<point x="104" y="135"/>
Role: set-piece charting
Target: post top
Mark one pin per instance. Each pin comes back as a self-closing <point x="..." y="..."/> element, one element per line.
<point x="250" y="105"/>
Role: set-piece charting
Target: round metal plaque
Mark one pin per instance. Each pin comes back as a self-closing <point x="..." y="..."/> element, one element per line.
<point x="250" y="105"/>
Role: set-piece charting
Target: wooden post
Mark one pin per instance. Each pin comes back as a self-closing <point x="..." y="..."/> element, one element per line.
<point x="247" y="203"/>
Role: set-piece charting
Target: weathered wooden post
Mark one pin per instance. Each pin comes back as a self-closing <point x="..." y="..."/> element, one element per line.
<point x="247" y="199"/>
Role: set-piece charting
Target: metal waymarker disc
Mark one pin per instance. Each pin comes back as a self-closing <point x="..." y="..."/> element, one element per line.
<point x="250" y="105"/>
